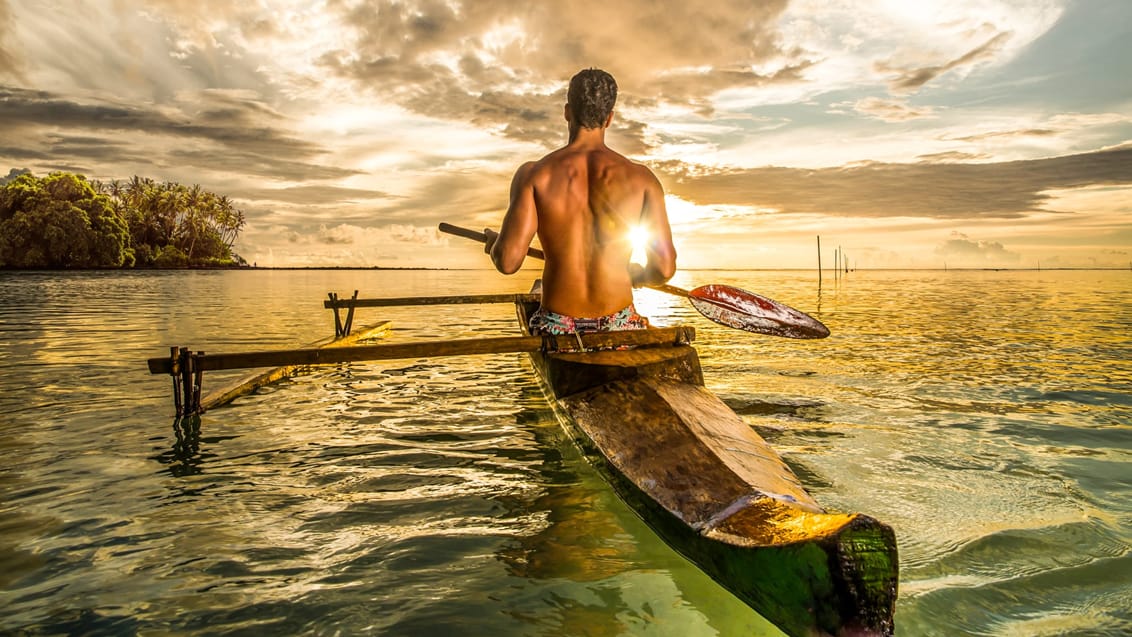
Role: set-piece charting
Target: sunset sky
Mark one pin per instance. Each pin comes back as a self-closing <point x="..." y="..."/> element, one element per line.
<point x="976" y="133"/>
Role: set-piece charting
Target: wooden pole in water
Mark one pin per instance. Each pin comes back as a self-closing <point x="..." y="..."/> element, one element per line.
<point x="175" y="372"/>
<point x="819" y="260"/>
<point x="185" y="365"/>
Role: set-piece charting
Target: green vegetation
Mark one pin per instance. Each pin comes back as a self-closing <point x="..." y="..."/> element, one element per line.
<point x="65" y="221"/>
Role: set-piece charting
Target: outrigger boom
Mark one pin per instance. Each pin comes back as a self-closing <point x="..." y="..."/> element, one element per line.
<point x="459" y="347"/>
<point x="187" y="367"/>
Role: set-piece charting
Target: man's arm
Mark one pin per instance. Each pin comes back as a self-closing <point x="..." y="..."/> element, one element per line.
<point x="519" y="224"/>
<point x="660" y="253"/>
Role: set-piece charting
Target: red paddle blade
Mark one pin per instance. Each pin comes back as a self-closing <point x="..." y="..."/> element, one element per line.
<point x="748" y="311"/>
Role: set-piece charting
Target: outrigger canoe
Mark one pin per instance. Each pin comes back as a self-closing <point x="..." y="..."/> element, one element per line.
<point x="716" y="492"/>
<point x="710" y="486"/>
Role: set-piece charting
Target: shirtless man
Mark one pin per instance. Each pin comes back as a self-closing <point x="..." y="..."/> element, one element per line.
<point x="582" y="200"/>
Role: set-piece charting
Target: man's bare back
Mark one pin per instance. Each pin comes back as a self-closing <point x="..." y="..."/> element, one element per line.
<point x="582" y="201"/>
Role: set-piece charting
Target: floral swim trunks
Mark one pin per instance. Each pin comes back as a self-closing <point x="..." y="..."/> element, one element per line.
<point x="545" y="321"/>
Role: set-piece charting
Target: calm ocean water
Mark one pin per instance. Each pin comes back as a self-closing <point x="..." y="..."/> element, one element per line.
<point x="987" y="416"/>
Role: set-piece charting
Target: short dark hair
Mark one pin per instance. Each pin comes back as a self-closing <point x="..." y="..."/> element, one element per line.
<point x="591" y="97"/>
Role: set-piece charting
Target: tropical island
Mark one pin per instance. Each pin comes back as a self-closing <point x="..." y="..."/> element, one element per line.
<point x="64" y="220"/>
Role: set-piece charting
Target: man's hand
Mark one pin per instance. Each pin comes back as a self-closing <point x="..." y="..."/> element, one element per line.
<point x="489" y="241"/>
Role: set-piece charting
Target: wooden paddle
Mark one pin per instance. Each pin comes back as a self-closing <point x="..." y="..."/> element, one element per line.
<point x="724" y="304"/>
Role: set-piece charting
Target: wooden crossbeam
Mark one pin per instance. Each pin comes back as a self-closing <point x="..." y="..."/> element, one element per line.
<point x="460" y="347"/>
<point x="334" y="302"/>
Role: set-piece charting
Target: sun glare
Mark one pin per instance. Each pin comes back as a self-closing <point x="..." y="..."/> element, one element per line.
<point x="639" y="239"/>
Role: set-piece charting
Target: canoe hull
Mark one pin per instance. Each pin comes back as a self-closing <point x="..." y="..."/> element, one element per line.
<point x="717" y="493"/>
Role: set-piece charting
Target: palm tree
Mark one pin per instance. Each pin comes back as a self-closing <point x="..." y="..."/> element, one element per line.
<point x="191" y="215"/>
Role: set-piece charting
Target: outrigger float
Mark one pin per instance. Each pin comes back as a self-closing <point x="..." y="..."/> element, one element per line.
<point x="701" y="477"/>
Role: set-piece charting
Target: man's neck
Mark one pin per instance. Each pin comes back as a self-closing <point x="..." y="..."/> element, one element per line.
<point x="586" y="137"/>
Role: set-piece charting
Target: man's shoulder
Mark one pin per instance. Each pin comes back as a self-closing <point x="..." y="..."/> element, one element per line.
<point x="546" y="165"/>
<point x="526" y="171"/>
<point x="641" y="173"/>
<point x="631" y="167"/>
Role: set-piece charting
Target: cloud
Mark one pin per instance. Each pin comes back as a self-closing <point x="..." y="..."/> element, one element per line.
<point x="310" y="195"/>
<point x="258" y="164"/>
<point x="213" y="129"/>
<point x="488" y="44"/>
<point x="9" y="65"/>
<point x="52" y="148"/>
<point x="951" y="156"/>
<point x="18" y="152"/>
<point x="1001" y="190"/>
<point x="891" y="110"/>
<point x="12" y="174"/>
<point x="234" y="120"/>
<point x="449" y="195"/>
<point x="349" y="245"/>
<point x="338" y="235"/>
<point x="1028" y="132"/>
<point x="415" y="234"/>
<point x="345" y="234"/>
<point x="961" y="250"/>
<point x="487" y="63"/>
<point x="1076" y="126"/>
<point x="909" y="80"/>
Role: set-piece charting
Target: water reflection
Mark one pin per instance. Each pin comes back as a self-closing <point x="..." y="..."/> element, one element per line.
<point x="185" y="458"/>
<point x="568" y="505"/>
<point x="188" y="457"/>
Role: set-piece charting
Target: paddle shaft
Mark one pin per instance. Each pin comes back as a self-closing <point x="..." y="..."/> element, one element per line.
<point x="474" y="235"/>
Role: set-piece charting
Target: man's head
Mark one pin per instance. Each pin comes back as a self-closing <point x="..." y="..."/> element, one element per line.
<point x="590" y="98"/>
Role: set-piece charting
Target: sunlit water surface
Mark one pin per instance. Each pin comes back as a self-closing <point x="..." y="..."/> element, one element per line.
<point x="987" y="416"/>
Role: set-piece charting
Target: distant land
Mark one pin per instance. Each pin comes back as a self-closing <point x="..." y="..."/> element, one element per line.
<point x="65" y="221"/>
